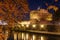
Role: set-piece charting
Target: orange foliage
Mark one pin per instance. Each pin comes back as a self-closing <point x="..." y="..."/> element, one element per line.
<point x="10" y="9"/>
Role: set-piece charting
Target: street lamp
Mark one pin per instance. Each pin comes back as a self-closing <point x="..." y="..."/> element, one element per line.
<point x="42" y="25"/>
<point x="33" y="25"/>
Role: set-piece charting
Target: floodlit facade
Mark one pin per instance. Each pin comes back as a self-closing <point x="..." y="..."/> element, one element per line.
<point x="34" y="15"/>
<point x="41" y="15"/>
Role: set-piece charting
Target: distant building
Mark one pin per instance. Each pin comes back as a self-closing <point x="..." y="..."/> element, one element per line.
<point x="41" y="15"/>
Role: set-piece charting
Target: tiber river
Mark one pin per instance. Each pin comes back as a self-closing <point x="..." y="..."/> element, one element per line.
<point x="32" y="36"/>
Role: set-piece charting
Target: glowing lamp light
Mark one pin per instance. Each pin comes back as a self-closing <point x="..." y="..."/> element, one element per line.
<point x="27" y="25"/>
<point x="42" y="26"/>
<point x="34" y="26"/>
<point x="24" y="23"/>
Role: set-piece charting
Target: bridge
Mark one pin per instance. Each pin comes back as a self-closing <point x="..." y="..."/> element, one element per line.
<point x="42" y="32"/>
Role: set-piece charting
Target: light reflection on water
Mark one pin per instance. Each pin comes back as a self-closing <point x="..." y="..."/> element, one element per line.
<point x="34" y="37"/>
<point x="31" y="36"/>
<point x="42" y="38"/>
<point x="27" y="36"/>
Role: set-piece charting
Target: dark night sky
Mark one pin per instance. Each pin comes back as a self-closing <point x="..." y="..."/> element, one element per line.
<point x="34" y="4"/>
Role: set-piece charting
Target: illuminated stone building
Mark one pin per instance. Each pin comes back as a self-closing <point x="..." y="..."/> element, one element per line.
<point x="41" y="16"/>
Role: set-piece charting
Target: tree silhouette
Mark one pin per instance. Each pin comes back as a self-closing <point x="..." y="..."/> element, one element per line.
<point x="56" y="15"/>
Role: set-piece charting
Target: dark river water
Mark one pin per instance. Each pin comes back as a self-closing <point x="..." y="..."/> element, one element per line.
<point x="32" y="36"/>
